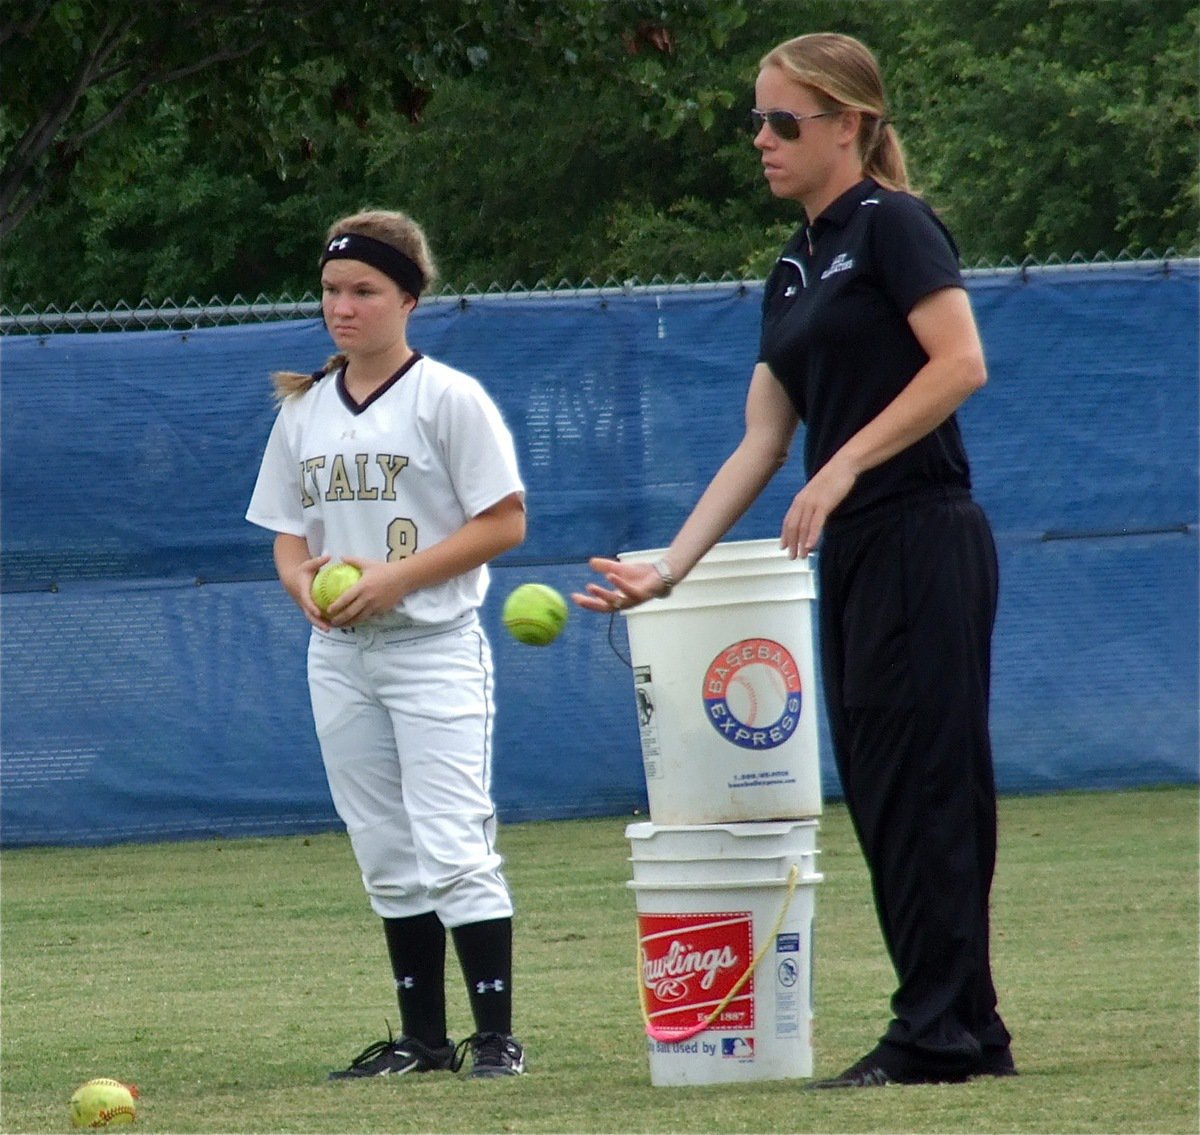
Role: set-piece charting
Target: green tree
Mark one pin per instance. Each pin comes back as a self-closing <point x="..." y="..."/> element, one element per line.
<point x="209" y="141"/>
<point x="572" y="140"/>
<point x="1052" y="127"/>
<point x="74" y="68"/>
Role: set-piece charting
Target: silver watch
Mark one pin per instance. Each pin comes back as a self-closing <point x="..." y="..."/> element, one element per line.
<point x="668" y="576"/>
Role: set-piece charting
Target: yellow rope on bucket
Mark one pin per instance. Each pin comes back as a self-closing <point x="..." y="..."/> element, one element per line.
<point x="655" y="1033"/>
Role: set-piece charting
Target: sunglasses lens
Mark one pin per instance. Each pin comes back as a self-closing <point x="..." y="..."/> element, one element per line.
<point x="782" y="124"/>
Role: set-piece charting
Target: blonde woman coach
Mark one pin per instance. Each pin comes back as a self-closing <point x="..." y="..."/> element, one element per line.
<point x="868" y="338"/>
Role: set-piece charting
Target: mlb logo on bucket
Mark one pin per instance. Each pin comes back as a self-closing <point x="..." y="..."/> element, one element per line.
<point x="690" y="965"/>
<point x="737" y="1047"/>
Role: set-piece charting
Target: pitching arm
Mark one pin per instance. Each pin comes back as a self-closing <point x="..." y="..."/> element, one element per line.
<point x="771" y="423"/>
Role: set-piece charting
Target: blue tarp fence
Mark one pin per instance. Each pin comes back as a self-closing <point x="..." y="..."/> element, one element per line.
<point x="152" y="669"/>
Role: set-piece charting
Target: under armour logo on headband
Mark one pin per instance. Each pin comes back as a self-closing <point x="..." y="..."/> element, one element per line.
<point x="378" y="254"/>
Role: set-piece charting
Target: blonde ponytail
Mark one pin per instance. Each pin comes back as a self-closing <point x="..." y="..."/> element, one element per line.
<point x="292" y="383"/>
<point x="883" y="155"/>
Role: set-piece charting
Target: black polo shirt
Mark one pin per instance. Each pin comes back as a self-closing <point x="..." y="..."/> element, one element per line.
<point x="835" y="332"/>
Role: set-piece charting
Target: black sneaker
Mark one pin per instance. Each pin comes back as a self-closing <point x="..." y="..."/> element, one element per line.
<point x="494" y="1054"/>
<point x="397" y="1056"/>
<point x="869" y="1072"/>
<point x="997" y="1062"/>
<point x="865" y="1074"/>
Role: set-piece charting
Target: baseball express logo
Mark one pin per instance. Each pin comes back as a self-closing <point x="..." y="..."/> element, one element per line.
<point x="752" y="693"/>
<point x="690" y="964"/>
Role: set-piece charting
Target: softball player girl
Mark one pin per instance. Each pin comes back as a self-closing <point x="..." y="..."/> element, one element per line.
<point x="403" y="467"/>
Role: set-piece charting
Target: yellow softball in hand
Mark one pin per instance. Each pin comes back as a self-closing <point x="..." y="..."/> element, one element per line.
<point x="331" y="581"/>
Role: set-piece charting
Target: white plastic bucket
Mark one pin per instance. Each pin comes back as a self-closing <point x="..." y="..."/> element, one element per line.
<point x="725" y="959"/>
<point x="726" y="691"/>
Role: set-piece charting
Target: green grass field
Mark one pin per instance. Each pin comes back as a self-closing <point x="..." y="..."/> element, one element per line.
<point x="226" y="978"/>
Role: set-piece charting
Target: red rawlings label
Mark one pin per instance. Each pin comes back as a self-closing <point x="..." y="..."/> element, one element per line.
<point x="690" y="962"/>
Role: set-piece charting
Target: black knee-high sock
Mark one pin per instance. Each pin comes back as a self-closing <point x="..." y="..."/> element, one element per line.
<point x="485" y="954"/>
<point x="417" y="948"/>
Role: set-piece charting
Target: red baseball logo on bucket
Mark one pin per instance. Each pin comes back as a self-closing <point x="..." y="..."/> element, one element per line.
<point x="691" y="963"/>
<point x="752" y="693"/>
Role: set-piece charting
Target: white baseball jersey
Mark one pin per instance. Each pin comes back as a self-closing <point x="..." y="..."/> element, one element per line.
<point x="390" y="477"/>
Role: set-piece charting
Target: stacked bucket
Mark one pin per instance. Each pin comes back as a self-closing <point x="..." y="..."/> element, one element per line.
<point x="724" y="873"/>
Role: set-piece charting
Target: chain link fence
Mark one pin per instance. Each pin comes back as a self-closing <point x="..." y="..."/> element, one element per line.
<point x="192" y="313"/>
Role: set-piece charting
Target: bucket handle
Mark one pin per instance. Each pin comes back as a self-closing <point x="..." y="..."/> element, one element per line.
<point x="612" y="642"/>
<point x="674" y="1036"/>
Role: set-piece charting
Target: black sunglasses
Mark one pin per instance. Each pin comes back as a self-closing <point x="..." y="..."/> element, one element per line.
<point x="783" y="123"/>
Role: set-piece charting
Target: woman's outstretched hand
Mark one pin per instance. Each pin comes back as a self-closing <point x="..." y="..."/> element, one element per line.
<point x="629" y="584"/>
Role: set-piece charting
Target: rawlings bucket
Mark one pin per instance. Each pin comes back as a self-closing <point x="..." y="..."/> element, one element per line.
<point x="725" y="929"/>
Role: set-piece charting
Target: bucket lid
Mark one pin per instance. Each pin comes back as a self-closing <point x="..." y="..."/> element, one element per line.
<point x="761" y="554"/>
<point x="750" y="829"/>
<point x="719" y="553"/>
<point x="745" y="571"/>
<point x="809" y="877"/>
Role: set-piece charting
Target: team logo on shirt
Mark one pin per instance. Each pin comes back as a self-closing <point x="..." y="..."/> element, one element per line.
<point x="842" y="262"/>
<point x="752" y="693"/>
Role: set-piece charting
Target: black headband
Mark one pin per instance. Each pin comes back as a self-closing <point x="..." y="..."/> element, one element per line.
<point x="390" y="261"/>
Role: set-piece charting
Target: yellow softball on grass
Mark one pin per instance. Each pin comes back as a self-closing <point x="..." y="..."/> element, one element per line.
<point x="535" y="614"/>
<point x="331" y="581"/>
<point x="104" y="1103"/>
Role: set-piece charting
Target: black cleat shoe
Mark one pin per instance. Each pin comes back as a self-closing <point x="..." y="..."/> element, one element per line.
<point x="864" y="1074"/>
<point x="997" y="1062"/>
<point x="869" y="1072"/>
<point x="397" y="1056"/>
<point x="493" y="1054"/>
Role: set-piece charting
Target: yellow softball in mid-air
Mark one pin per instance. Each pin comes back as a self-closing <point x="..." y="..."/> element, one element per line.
<point x="535" y="614"/>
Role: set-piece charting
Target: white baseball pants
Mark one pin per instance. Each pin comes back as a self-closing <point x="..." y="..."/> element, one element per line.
<point x="404" y="720"/>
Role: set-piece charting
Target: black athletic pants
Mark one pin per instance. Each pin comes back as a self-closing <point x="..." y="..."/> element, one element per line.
<point x="907" y="604"/>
